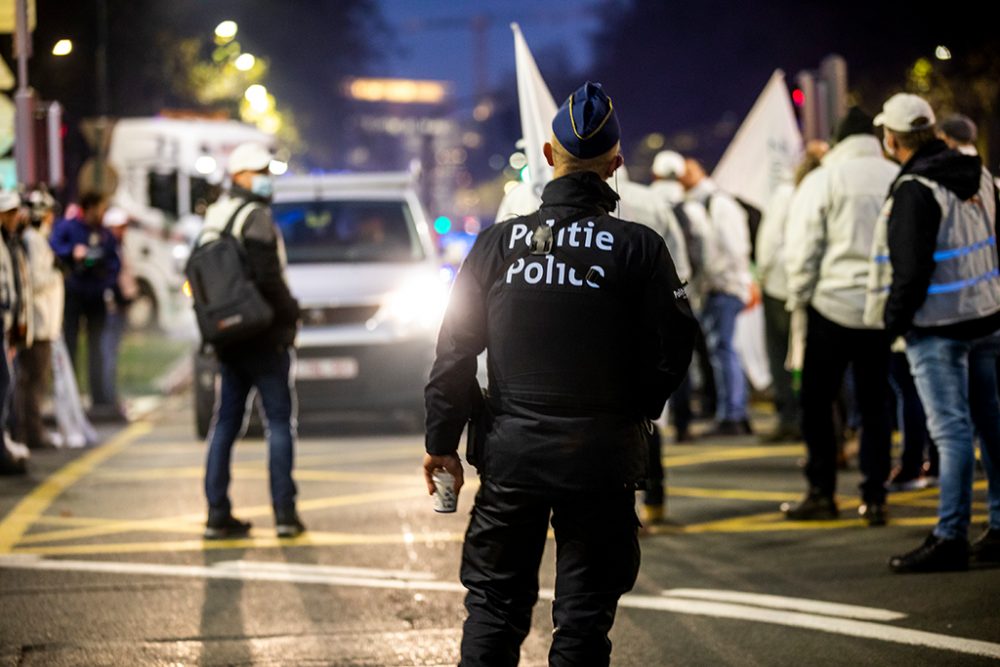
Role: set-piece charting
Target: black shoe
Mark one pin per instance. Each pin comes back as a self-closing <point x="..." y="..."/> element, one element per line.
<point x="288" y="524"/>
<point x="225" y="526"/>
<point x="814" y="507"/>
<point x="874" y="514"/>
<point x="903" y="480"/>
<point x="986" y="548"/>
<point x="934" y="555"/>
<point x="12" y="466"/>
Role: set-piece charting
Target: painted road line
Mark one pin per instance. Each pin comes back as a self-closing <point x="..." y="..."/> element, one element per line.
<point x="247" y="471"/>
<point x="786" y="603"/>
<point x="732" y="494"/>
<point x="330" y="570"/>
<point x="734" y="454"/>
<point x="194" y="523"/>
<point x="308" y="539"/>
<point x="34" y="505"/>
<point x="822" y="623"/>
<point x="838" y="626"/>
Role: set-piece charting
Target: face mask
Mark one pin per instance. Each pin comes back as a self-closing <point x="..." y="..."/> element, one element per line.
<point x="262" y="186"/>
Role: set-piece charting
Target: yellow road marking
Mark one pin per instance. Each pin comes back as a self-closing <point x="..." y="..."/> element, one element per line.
<point x="245" y="471"/>
<point x="193" y="523"/>
<point x="733" y="454"/>
<point x="731" y="494"/>
<point x="309" y="539"/>
<point x="32" y="506"/>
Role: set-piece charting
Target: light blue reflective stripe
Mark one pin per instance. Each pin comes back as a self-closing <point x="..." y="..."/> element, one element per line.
<point x="881" y="259"/>
<point x="945" y="288"/>
<point x="961" y="252"/>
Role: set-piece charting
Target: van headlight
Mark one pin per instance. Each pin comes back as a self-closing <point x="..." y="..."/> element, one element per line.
<point x="419" y="304"/>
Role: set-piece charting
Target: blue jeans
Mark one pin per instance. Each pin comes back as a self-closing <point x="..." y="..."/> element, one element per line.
<point x="957" y="382"/>
<point x="719" y="318"/>
<point x="270" y="375"/>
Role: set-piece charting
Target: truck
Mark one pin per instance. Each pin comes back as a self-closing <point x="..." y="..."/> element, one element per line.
<point x="168" y="171"/>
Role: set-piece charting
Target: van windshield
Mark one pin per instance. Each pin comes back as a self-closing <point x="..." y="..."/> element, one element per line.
<point x="317" y="232"/>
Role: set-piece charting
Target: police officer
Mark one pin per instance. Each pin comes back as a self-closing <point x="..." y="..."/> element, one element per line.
<point x="588" y="332"/>
<point x="263" y="361"/>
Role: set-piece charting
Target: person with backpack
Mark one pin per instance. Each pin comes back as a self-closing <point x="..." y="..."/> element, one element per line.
<point x="249" y="357"/>
<point x="729" y="285"/>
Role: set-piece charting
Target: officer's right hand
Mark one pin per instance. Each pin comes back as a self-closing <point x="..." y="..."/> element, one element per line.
<point x="451" y="463"/>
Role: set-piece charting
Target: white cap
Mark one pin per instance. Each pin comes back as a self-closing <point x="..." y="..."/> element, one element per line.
<point x="904" y="113"/>
<point x="9" y="200"/>
<point x="41" y="199"/>
<point x="250" y="156"/>
<point x="668" y="164"/>
<point x="115" y="216"/>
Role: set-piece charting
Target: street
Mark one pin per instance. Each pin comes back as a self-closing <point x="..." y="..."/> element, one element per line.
<point x="102" y="563"/>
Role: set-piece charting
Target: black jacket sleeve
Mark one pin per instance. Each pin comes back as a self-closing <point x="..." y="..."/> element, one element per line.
<point x="912" y="234"/>
<point x="452" y="386"/>
<point x="260" y="238"/>
<point x="669" y="330"/>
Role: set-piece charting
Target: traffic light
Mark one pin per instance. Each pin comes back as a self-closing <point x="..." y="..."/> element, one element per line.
<point x="821" y="96"/>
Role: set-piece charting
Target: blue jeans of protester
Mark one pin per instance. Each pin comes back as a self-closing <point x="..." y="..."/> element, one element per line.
<point x="269" y="374"/>
<point x="719" y="318"/>
<point x="957" y="382"/>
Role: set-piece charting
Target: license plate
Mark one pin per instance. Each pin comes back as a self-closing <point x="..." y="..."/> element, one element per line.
<point x="335" y="368"/>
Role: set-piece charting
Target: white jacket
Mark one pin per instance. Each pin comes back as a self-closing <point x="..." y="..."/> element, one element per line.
<point x="831" y="225"/>
<point x="770" y="257"/>
<point x="639" y="203"/>
<point x="47" y="286"/>
<point x="727" y="267"/>
<point x="8" y="291"/>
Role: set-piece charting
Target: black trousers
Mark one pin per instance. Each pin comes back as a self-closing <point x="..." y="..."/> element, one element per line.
<point x="597" y="560"/>
<point x="777" y="323"/>
<point x="654" y="492"/>
<point x="829" y="349"/>
<point x="95" y="312"/>
<point x="32" y="378"/>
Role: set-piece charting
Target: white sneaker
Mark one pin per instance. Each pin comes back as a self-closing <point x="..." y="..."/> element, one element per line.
<point x="16" y="449"/>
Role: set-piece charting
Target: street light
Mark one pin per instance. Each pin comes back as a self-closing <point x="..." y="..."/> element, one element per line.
<point x="942" y="53"/>
<point x="226" y="30"/>
<point x="256" y="95"/>
<point x="245" y="62"/>
<point x="63" y="47"/>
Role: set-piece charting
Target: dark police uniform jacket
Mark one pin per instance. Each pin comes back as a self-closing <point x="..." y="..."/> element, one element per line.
<point x="585" y="344"/>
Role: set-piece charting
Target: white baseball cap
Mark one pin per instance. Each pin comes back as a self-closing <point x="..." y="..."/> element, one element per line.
<point x="249" y="156"/>
<point x="668" y="164"/>
<point x="904" y="112"/>
<point x="9" y="200"/>
<point x="115" y="216"/>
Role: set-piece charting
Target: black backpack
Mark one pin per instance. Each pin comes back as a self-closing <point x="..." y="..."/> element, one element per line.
<point x="227" y="303"/>
<point x="693" y="243"/>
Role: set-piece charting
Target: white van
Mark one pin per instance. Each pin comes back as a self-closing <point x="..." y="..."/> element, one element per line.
<point x="168" y="170"/>
<point x="363" y="266"/>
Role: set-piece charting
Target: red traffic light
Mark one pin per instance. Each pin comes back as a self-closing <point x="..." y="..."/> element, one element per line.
<point x="798" y="97"/>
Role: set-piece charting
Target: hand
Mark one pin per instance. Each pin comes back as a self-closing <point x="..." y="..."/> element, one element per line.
<point x="451" y="463"/>
<point x="755" y="296"/>
<point x="79" y="251"/>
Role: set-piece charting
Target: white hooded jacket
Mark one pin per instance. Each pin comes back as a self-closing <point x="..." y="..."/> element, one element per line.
<point x="727" y="265"/>
<point x="831" y="225"/>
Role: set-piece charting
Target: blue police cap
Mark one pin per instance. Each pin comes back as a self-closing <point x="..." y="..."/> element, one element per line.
<point x="586" y="124"/>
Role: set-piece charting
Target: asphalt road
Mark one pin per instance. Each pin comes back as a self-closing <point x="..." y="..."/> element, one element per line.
<point x="101" y="563"/>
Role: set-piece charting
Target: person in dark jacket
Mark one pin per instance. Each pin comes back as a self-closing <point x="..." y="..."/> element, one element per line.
<point x="937" y="277"/>
<point x="89" y="254"/>
<point x="263" y="361"/>
<point x="588" y="332"/>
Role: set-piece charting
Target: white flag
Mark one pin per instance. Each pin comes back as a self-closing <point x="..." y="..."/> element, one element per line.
<point x="537" y="111"/>
<point x="766" y="148"/>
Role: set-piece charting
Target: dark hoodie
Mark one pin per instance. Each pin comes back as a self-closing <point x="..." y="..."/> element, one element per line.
<point x="913" y="229"/>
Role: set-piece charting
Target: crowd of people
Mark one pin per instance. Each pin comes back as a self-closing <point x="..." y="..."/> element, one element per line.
<point x="877" y="268"/>
<point x="57" y="276"/>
